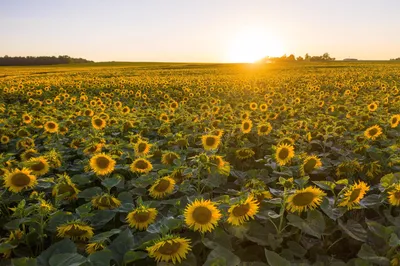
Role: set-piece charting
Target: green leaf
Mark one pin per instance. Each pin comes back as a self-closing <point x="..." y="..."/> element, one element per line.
<point x="100" y="258"/>
<point x="5" y="246"/>
<point x="101" y="217"/>
<point x="367" y="253"/>
<point x="371" y="201"/>
<point x="109" y="183"/>
<point x="67" y="259"/>
<point x="380" y="230"/>
<point x="121" y="245"/>
<point x="394" y="241"/>
<point x="390" y="179"/>
<point x="132" y="256"/>
<point x="325" y="185"/>
<point x="330" y="211"/>
<point x="296" y="249"/>
<point x="89" y="193"/>
<point x="24" y="262"/>
<point x="221" y="256"/>
<point x="275" y="259"/>
<point x="63" y="246"/>
<point x="105" y="235"/>
<point x="314" y="224"/>
<point x="354" y="230"/>
<point x="58" y="219"/>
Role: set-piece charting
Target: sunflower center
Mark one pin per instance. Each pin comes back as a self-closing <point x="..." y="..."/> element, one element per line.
<point x="397" y="194"/>
<point x="246" y="126"/>
<point x="20" y="180"/>
<point x="373" y="132"/>
<point x="27" y="118"/>
<point x="169" y="248"/>
<point x="142" y="147"/>
<point x="102" y="162"/>
<point x="303" y="199"/>
<point x="241" y="210"/>
<point x="142" y="217"/>
<point x="283" y="153"/>
<point x="202" y="215"/>
<point x="162" y="185"/>
<point x="210" y="141"/>
<point x="51" y="125"/>
<point x="65" y="188"/>
<point x="76" y="231"/>
<point x="141" y="164"/>
<point x="394" y="120"/>
<point x="98" y="122"/>
<point x="310" y="165"/>
<point x="354" y="194"/>
<point x="263" y="129"/>
<point x="38" y="166"/>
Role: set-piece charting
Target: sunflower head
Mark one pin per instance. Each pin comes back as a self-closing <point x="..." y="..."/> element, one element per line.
<point x="75" y="230"/>
<point x="102" y="164"/>
<point x="39" y="166"/>
<point x="141" y="217"/>
<point x="373" y="132"/>
<point x="310" y="164"/>
<point x="169" y="157"/>
<point x="105" y="202"/>
<point x="169" y="248"/>
<point x="394" y="121"/>
<point x="284" y="153"/>
<point x="243" y="211"/>
<point x="93" y="247"/>
<point x="305" y="199"/>
<point x="353" y="195"/>
<point x="98" y="123"/>
<point x="142" y="147"/>
<point x="202" y="215"/>
<point x="244" y="153"/>
<point x="264" y="129"/>
<point x="51" y="127"/>
<point x="246" y="126"/>
<point x="4" y="139"/>
<point x="210" y="142"/>
<point x="162" y="187"/>
<point x="394" y="195"/>
<point x="18" y="180"/>
<point x="141" y="165"/>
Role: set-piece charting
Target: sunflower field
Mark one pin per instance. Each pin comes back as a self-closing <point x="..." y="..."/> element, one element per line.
<point x="200" y="164"/>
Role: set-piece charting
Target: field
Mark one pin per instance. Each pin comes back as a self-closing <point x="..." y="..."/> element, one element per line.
<point x="200" y="164"/>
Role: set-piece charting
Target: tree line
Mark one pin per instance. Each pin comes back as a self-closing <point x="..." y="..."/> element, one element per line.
<point x="291" y="58"/>
<point x="40" y="60"/>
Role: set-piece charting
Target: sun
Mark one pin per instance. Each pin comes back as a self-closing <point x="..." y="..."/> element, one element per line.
<point x="250" y="46"/>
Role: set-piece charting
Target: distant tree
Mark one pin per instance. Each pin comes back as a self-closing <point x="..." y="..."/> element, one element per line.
<point x="40" y="60"/>
<point x="291" y="58"/>
<point x="307" y="57"/>
<point x="299" y="58"/>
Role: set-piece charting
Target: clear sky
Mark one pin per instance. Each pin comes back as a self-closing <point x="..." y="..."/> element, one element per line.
<point x="199" y="30"/>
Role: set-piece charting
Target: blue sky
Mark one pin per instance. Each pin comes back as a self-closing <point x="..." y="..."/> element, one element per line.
<point x="199" y="31"/>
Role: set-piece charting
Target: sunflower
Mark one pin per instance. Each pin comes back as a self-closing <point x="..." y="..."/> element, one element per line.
<point x="244" y="153"/>
<point x="353" y="195"/>
<point x="141" y="165"/>
<point x="284" y="153"/>
<point x="394" y="121"/>
<point x="264" y="129"/>
<point x="260" y="195"/>
<point x="372" y="107"/>
<point x="76" y="230"/>
<point x="17" y="180"/>
<point x="253" y="106"/>
<point x="263" y="107"/>
<point x="394" y="195"/>
<point x="142" y="148"/>
<point x="141" y="217"/>
<point x="65" y="186"/>
<point x="162" y="187"/>
<point x="246" y="126"/>
<point x="102" y="164"/>
<point x="93" y="247"/>
<point x="305" y="199"/>
<point x="51" y="127"/>
<point x="169" y="248"/>
<point x="39" y="166"/>
<point x="373" y="132"/>
<point x="202" y="215"/>
<point x="164" y="118"/>
<point x="169" y="157"/>
<point x="217" y="160"/>
<point x="243" y="211"/>
<point x="310" y="164"/>
<point x="210" y="142"/>
<point x="27" y="119"/>
<point x="105" y="202"/>
<point x="4" y="139"/>
<point x="98" y="123"/>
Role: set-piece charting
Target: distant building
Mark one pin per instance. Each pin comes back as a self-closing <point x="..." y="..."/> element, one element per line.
<point x="350" y="59"/>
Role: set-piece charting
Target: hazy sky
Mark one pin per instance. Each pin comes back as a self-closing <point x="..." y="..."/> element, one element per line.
<point x="199" y="30"/>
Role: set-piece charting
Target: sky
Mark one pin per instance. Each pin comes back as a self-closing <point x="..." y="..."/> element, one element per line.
<point x="200" y="30"/>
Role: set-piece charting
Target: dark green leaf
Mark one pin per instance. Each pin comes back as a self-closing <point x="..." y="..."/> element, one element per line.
<point x="275" y="259"/>
<point x="368" y="253"/>
<point x="111" y="182"/>
<point x="354" y="230"/>
<point x="132" y="256"/>
<point x="222" y="256"/>
<point x="67" y="259"/>
<point x="89" y="193"/>
<point x="102" y="217"/>
<point x="100" y="258"/>
<point x="63" y="246"/>
<point x="24" y="262"/>
<point x="121" y="245"/>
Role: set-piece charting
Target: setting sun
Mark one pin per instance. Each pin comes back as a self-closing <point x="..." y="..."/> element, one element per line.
<point x="252" y="45"/>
